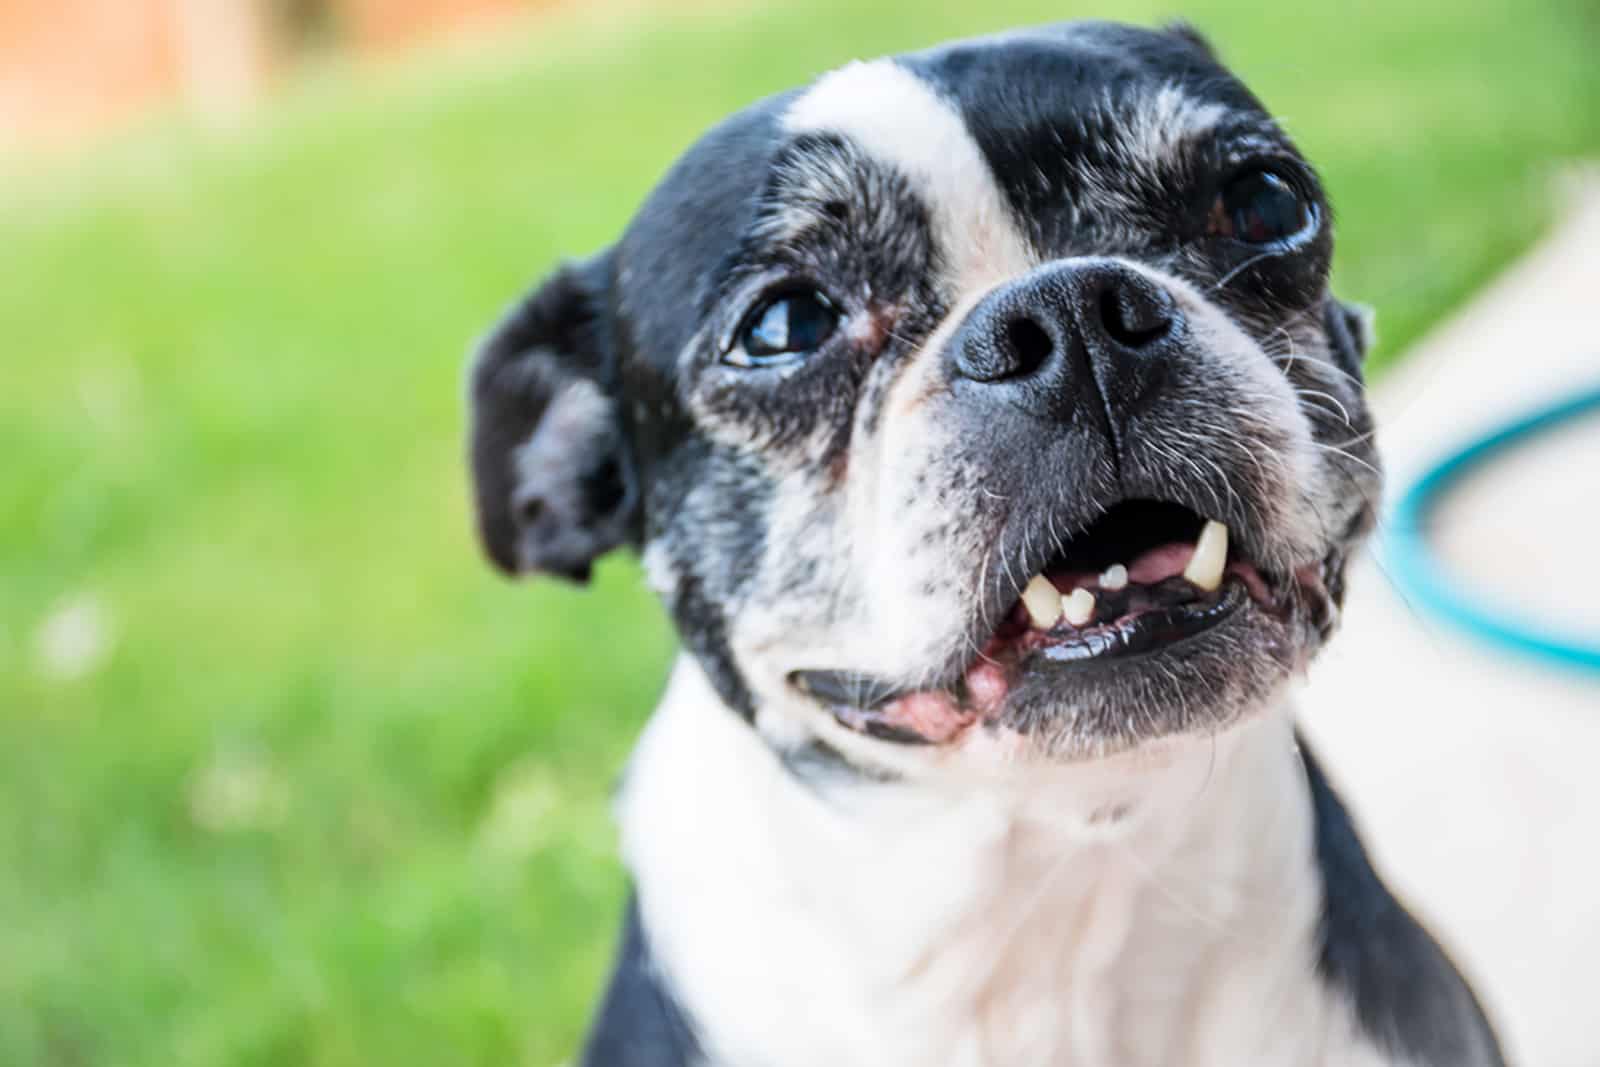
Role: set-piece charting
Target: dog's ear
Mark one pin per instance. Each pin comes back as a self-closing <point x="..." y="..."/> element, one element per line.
<point x="1186" y="30"/>
<point x="1350" y="331"/>
<point x="550" y="469"/>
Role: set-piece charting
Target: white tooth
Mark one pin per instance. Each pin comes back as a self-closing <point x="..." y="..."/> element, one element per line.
<point x="1078" y="607"/>
<point x="1210" y="557"/>
<point x="1042" y="601"/>
<point x="1115" y="577"/>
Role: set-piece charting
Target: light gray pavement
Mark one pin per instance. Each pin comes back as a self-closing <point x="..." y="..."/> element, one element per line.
<point x="1475" y="774"/>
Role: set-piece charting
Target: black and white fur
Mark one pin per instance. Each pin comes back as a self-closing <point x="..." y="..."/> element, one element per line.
<point x="1134" y="866"/>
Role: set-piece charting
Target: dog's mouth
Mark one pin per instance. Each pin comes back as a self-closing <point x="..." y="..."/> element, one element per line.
<point x="1146" y="579"/>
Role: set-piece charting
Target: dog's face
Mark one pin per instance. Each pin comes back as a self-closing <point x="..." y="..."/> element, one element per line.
<point x="1029" y="314"/>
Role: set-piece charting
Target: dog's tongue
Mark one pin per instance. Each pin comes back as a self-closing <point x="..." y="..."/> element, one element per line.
<point x="1160" y="563"/>
<point x="1147" y="568"/>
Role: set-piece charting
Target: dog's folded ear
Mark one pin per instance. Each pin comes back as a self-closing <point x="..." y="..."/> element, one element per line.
<point x="551" y="472"/>
<point x="1189" y="32"/>
<point x="1350" y="331"/>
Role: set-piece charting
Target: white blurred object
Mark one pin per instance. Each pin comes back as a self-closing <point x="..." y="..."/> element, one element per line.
<point x="1472" y="771"/>
<point x="74" y="638"/>
<point x="225" y="55"/>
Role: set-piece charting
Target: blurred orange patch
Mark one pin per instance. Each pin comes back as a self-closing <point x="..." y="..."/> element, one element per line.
<point x="71" y="68"/>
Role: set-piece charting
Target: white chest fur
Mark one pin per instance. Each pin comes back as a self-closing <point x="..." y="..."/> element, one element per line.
<point x="1153" y="909"/>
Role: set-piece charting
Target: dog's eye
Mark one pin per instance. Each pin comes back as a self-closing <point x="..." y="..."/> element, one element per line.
<point x="783" y="328"/>
<point x="1259" y="207"/>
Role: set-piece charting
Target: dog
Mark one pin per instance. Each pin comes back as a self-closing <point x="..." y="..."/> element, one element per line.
<point x="985" y="421"/>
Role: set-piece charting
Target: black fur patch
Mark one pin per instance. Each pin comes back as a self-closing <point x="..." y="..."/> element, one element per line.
<point x="639" y="1024"/>
<point x="1117" y="147"/>
<point x="1407" y="994"/>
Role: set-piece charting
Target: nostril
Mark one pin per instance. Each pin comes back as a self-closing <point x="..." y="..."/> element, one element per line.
<point x="1136" y="316"/>
<point x="1030" y="345"/>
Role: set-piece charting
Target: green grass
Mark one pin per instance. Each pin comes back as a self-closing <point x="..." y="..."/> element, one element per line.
<point x="333" y="795"/>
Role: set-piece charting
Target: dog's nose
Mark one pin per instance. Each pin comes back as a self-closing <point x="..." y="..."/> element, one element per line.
<point x="1070" y="333"/>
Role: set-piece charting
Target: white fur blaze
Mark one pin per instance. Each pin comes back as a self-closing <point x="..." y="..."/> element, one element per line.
<point x="899" y="119"/>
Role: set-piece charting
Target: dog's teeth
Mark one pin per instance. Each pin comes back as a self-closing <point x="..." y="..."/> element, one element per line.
<point x="1210" y="557"/>
<point x="1114" y="578"/>
<point x="1078" y="607"/>
<point x="1042" y="601"/>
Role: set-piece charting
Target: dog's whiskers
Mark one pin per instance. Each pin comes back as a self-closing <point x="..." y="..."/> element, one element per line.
<point x="1236" y="271"/>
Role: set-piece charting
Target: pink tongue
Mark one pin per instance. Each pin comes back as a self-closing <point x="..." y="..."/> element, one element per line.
<point x="1147" y="568"/>
<point x="1160" y="563"/>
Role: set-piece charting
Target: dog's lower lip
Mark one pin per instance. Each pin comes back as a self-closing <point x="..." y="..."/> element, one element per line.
<point x="1151" y="631"/>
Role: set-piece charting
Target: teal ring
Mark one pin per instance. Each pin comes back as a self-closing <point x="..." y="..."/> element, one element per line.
<point x="1426" y="583"/>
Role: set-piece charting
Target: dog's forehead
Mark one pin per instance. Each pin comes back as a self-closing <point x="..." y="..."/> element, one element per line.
<point x="899" y="118"/>
<point x="1054" y="130"/>
<point x="1002" y="139"/>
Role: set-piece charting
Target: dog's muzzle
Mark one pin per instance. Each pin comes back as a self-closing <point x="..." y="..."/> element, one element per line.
<point x="1067" y="378"/>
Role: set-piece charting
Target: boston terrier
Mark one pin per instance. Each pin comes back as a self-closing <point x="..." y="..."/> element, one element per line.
<point x="985" y="422"/>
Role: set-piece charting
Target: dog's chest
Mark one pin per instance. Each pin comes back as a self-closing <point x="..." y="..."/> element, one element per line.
<point x="1025" y="956"/>
<point x="886" y="925"/>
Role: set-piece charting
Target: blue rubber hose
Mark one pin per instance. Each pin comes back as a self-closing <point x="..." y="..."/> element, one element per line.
<point x="1424" y="580"/>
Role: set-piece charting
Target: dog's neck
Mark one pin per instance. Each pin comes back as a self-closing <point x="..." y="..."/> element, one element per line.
<point x="1153" y="908"/>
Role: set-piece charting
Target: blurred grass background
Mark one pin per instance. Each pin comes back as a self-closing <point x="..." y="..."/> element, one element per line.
<point x="286" y="776"/>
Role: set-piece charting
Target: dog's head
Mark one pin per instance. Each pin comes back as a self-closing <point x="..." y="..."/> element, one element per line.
<point x="918" y="387"/>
